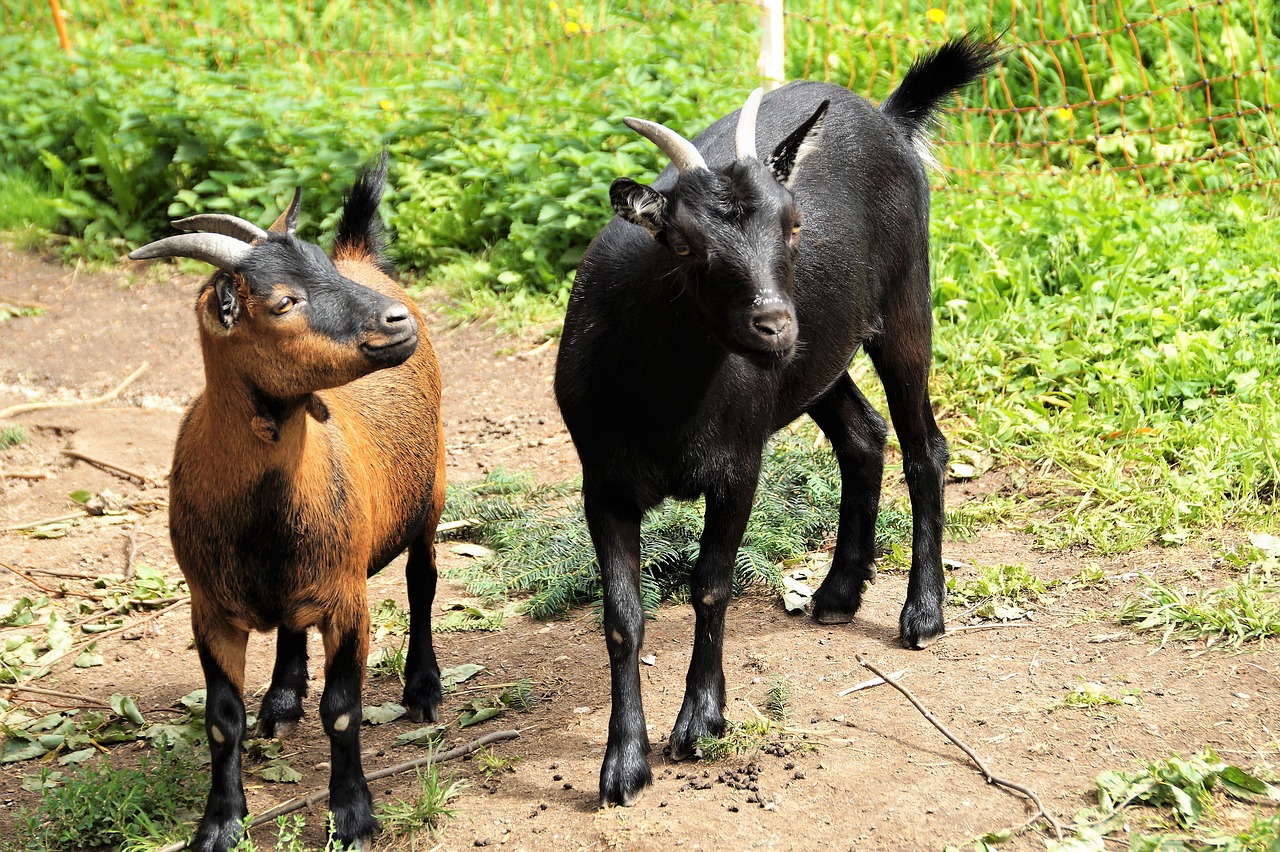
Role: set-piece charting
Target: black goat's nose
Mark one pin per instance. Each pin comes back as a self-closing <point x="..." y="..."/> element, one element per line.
<point x="772" y="322"/>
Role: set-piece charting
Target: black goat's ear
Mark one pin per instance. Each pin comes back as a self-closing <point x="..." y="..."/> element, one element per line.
<point x="228" y="299"/>
<point x="806" y="139"/>
<point x="638" y="204"/>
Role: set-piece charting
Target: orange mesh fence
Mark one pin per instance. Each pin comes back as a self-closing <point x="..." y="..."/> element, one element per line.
<point x="1167" y="97"/>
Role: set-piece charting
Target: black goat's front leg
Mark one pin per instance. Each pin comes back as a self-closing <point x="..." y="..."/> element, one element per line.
<point x="857" y="434"/>
<point x="710" y="587"/>
<point x="221" y="649"/>
<point x="616" y="534"/>
<point x="346" y="645"/>
<point x="282" y="705"/>
<point x="902" y="359"/>
<point x="422" y="691"/>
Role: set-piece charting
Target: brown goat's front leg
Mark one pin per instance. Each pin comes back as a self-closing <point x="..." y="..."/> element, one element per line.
<point x="422" y="691"/>
<point x="282" y="705"/>
<point x="346" y="645"/>
<point x="615" y="532"/>
<point x="221" y="649"/>
<point x="710" y="587"/>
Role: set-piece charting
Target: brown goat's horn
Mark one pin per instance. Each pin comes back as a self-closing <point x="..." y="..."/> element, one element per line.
<point x="745" y="135"/>
<point x="679" y="150"/>
<point x="226" y="253"/>
<point x="223" y="223"/>
<point x="287" y="222"/>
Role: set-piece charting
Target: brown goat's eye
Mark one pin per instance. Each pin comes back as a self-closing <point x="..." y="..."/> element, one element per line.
<point x="283" y="306"/>
<point x="680" y="247"/>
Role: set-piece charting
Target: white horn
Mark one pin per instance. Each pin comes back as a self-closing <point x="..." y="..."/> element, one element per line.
<point x="678" y="149"/>
<point x="745" y="135"/>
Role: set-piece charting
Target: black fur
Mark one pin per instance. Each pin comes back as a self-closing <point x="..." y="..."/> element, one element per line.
<point x="360" y="228"/>
<point x="689" y="340"/>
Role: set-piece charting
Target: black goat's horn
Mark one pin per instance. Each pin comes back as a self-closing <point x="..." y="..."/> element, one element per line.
<point x="745" y="135"/>
<point x="223" y="223"/>
<point x="287" y="222"/>
<point x="679" y="150"/>
<point x="225" y="252"/>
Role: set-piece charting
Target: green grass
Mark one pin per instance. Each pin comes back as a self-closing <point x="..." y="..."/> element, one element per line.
<point x="427" y="810"/>
<point x="1245" y="610"/>
<point x="11" y="436"/>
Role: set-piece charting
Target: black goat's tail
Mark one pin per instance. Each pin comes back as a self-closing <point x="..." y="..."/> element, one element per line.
<point x="934" y="76"/>
<point x="360" y="230"/>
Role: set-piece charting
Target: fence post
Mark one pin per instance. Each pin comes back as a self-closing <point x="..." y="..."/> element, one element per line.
<point x="772" y="44"/>
<point x="61" y="25"/>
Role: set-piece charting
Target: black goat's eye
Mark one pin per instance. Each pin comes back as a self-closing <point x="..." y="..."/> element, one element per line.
<point x="283" y="306"/>
<point x="680" y="247"/>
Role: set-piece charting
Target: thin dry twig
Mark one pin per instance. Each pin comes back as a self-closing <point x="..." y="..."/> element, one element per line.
<point x="978" y="761"/>
<point x="867" y="684"/>
<point x="319" y="796"/>
<point x="130" y="553"/>
<point x="30" y="525"/>
<point x="30" y="580"/>
<point x="35" y="690"/>
<point x="992" y="626"/>
<point x="24" y="474"/>
<point x="107" y="466"/>
<point x="74" y="403"/>
<point x="48" y="666"/>
<point x="462" y="524"/>
<point x="22" y="303"/>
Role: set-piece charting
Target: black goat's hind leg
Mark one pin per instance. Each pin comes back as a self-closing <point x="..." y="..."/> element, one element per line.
<point x="422" y="691"/>
<point x="702" y="712"/>
<point x="616" y="535"/>
<point x="282" y="705"/>
<point x="857" y="433"/>
<point x="902" y="360"/>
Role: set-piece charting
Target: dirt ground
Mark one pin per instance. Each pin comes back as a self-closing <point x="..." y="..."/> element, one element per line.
<point x="863" y="771"/>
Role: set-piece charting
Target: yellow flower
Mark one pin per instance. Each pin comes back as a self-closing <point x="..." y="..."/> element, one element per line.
<point x="386" y="105"/>
<point x="553" y="6"/>
<point x="936" y="15"/>
<point x="1065" y="114"/>
<point x="572" y="28"/>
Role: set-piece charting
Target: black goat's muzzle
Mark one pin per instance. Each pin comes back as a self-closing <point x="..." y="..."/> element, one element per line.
<point x="391" y="337"/>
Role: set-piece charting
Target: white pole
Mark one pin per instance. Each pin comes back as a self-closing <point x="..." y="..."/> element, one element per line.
<point x="772" y="45"/>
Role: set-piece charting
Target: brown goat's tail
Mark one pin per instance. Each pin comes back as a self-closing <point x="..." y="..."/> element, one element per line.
<point x="934" y="76"/>
<point x="359" y="234"/>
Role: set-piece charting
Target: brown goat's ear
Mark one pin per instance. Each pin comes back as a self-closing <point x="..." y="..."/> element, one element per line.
<point x="287" y="222"/>
<point x="227" y="296"/>
<point x="638" y="204"/>
<point x="806" y="138"/>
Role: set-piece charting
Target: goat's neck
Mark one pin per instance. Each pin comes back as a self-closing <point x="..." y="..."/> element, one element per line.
<point x="276" y="426"/>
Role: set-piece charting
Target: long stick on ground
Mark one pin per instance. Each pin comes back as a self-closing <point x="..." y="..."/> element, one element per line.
<point x="982" y="766"/>
<point x="321" y="795"/>
<point x="109" y="467"/>
<point x="74" y="403"/>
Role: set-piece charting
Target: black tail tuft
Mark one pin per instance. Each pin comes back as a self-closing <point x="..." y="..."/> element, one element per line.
<point x="360" y="229"/>
<point x="935" y="75"/>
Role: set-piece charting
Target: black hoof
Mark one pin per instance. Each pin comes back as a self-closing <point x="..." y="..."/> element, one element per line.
<point x="920" y="624"/>
<point x="625" y="773"/>
<point x="692" y="724"/>
<point x="281" y="710"/>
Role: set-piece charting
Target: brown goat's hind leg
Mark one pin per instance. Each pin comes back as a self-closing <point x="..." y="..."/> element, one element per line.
<point x="857" y="433"/>
<point x="422" y="692"/>
<point x="282" y="705"/>
<point x="221" y="650"/>
<point x="346" y="645"/>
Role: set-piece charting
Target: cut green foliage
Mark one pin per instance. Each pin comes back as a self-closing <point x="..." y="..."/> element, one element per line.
<point x="1175" y="797"/>
<point x="542" y="544"/>
<point x="738" y="738"/>
<point x="998" y="592"/>
<point x="493" y="763"/>
<point x="1092" y="696"/>
<point x="427" y="810"/>
<point x="1245" y="610"/>
<point x="11" y="436"/>
<point x="777" y="699"/>
<point x="98" y="804"/>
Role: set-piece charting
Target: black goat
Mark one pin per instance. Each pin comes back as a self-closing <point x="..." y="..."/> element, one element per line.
<point x="693" y="337"/>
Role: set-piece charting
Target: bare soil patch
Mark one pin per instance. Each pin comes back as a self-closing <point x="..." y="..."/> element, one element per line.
<point x="864" y="771"/>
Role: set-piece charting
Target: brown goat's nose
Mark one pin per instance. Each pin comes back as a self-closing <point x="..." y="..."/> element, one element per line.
<point x="394" y="315"/>
<point x="772" y="322"/>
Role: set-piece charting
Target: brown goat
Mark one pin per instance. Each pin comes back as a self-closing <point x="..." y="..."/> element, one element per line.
<point x="299" y="472"/>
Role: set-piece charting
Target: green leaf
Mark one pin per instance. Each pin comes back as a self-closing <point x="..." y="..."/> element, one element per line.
<point x="381" y="714"/>
<point x="421" y="736"/>
<point x="77" y="756"/>
<point x="457" y="674"/>
<point x="475" y="717"/>
<point x="1240" y="784"/>
<point x="280" y="772"/>
<point x="81" y="496"/>
<point x="127" y="708"/>
<point x="15" y="750"/>
<point x="88" y="659"/>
